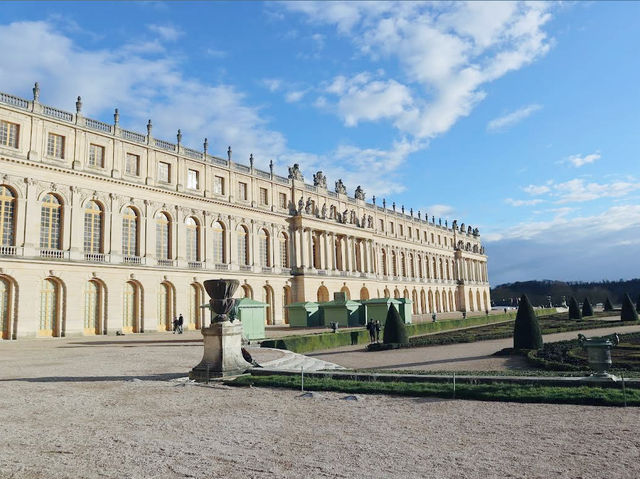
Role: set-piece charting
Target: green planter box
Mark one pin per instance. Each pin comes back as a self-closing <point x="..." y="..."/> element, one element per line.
<point x="377" y="309"/>
<point x="304" y="315"/>
<point x="252" y="314"/>
<point x="341" y="310"/>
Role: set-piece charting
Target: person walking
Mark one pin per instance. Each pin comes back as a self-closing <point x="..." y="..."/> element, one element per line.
<point x="371" y="328"/>
<point x="377" y="328"/>
<point x="180" y="323"/>
<point x="175" y="325"/>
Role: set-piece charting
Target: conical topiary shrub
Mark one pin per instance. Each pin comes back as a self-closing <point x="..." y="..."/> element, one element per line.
<point x="638" y="304"/>
<point x="628" y="312"/>
<point x="526" y="332"/>
<point x="607" y="304"/>
<point x="587" y="309"/>
<point x="394" y="330"/>
<point x="574" y="309"/>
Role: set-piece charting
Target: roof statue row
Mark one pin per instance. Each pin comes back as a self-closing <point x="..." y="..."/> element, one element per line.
<point x="319" y="178"/>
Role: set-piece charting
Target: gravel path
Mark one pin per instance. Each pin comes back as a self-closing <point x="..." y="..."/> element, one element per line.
<point x="72" y="408"/>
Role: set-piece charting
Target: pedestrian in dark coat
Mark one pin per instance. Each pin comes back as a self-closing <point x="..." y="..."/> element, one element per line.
<point x="371" y="328"/>
<point x="377" y="328"/>
<point x="175" y="325"/>
<point x="180" y="323"/>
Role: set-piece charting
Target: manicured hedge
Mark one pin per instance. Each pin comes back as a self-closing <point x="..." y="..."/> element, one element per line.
<point x="329" y="340"/>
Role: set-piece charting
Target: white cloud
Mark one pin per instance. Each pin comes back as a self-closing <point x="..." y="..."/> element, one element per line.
<point x="166" y="32"/>
<point x="272" y="84"/>
<point x="513" y="202"/>
<point x="510" y="119"/>
<point x="447" y="52"/>
<point x="579" y="190"/>
<point x="294" y="96"/>
<point x="215" y="53"/>
<point x="579" y="160"/>
<point x="440" y="210"/>
<point x="536" y="189"/>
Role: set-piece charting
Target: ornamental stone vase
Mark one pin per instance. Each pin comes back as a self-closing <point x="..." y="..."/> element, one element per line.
<point x="222" y="339"/>
<point x="599" y="354"/>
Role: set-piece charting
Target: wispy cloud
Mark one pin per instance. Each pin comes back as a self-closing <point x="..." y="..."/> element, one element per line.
<point x="512" y="202"/>
<point x="510" y="119"/>
<point x="166" y="32"/>
<point x="579" y="160"/>
<point x="579" y="190"/>
<point x="272" y="84"/>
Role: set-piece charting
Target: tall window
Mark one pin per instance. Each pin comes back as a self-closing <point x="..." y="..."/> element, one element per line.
<point x="48" y="308"/>
<point x="164" y="172"/>
<point x="384" y="262"/>
<point x="420" y="266"/>
<point x="282" y="200"/>
<point x="403" y="270"/>
<point x="50" y="217"/>
<point x="92" y="228"/>
<point x="7" y="216"/>
<point x="55" y="146"/>
<point x="242" y="191"/>
<point x="412" y="268"/>
<point x="165" y="307"/>
<point x="391" y="229"/>
<point x="218" y="185"/>
<point x="130" y="308"/>
<point x="130" y="232"/>
<point x="218" y="243"/>
<point x="264" y="198"/>
<point x="9" y="133"/>
<point x="194" y="306"/>
<point x="4" y="308"/>
<point x="263" y="241"/>
<point x="163" y="237"/>
<point x="193" y="180"/>
<point x="96" y="156"/>
<point x="193" y="240"/>
<point x="92" y="308"/>
<point x="284" y="251"/>
<point x="394" y="270"/>
<point x="381" y="224"/>
<point x="132" y="166"/>
<point x="243" y="250"/>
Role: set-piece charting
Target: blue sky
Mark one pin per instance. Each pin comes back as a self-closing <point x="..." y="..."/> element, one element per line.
<point x="520" y="119"/>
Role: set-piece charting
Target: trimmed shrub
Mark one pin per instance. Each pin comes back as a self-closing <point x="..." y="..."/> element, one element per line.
<point x="638" y="304"/>
<point x="574" y="309"/>
<point x="526" y="332"/>
<point x="607" y="305"/>
<point x="628" y="312"/>
<point x="394" y="329"/>
<point x="587" y="309"/>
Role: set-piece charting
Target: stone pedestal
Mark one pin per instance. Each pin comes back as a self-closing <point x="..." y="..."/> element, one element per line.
<point x="222" y="352"/>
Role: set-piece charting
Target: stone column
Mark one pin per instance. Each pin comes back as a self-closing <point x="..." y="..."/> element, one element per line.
<point x="73" y="226"/>
<point x="304" y="253"/>
<point x="334" y="252"/>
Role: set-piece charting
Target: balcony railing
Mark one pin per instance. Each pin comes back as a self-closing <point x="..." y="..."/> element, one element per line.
<point x="7" y="250"/>
<point x="132" y="259"/>
<point x="52" y="253"/>
<point x="245" y="267"/>
<point x="194" y="264"/>
<point x="221" y="267"/>
<point x="267" y="269"/>
<point x="166" y="263"/>
<point x="94" y="257"/>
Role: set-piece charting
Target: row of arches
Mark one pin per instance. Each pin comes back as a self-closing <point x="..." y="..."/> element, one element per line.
<point x="414" y="266"/>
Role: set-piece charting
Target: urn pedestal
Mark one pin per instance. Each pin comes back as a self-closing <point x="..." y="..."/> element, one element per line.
<point x="222" y="352"/>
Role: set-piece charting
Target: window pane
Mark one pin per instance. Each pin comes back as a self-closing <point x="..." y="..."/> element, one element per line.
<point x="7" y="221"/>
<point x="9" y="134"/>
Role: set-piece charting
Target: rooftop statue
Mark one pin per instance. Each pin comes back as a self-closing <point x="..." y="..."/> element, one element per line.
<point x="320" y="180"/>
<point x="340" y="188"/>
<point x="359" y="193"/>
<point x="295" y="173"/>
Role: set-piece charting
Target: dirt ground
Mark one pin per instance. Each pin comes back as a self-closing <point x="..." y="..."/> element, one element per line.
<point x="117" y="408"/>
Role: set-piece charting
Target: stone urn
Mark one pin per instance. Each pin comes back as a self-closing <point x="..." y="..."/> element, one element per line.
<point x="599" y="354"/>
<point x="222" y="339"/>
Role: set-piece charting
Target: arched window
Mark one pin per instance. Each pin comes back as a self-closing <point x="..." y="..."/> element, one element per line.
<point x="163" y="236"/>
<point x="412" y="268"/>
<point x="394" y="270"/>
<point x="420" y="273"/>
<point x="384" y="262"/>
<point x="5" y="298"/>
<point x="50" y="222"/>
<point x="218" y="243"/>
<point x="49" y="305"/>
<point x="243" y="246"/>
<point x="286" y="299"/>
<point x="195" y="312"/>
<point x="193" y="239"/>
<point x="93" y="228"/>
<point x="346" y="291"/>
<point x="7" y="216"/>
<point x="165" y="307"/>
<point x="92" y="308"/>
<point x="130" y="232"/>
<point x="322" y="294"/>
<point x="284" y="250"/>
<point x="403" y="267"/>
<point x="267" y="297"/>
<point x="263" y="243"/>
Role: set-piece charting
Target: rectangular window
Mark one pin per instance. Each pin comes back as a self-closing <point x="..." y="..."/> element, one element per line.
<point x="439" y="239"/>
<point x="432" y="240"/>
<point x="391" y="228"/>
<point x="242" y="191"/>
<point x="381" y="225"/>
<point x="401" y="230"/>
<point x="283" y="201"/>
<point x="193" y="180"/>
<point x="218" y="185"/>
<point x="264" y="199"/>
<point x="55" y="146"/>
<point x="96" y="156"/>
<point x="164" y="172"/>
<point x="409" y="231"/>
<point x="132" y="166"/>
<point x="9" y="134"/>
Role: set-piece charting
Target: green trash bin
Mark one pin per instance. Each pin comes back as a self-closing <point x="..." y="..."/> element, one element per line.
<point x="303" y="315"/>
<point x="343" y="311"/>
<point x="376" y="309"/>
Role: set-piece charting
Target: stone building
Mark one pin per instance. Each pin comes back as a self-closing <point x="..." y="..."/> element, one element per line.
<point x="104" y="229"/>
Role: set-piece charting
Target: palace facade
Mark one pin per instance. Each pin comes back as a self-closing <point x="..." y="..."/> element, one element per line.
<point x="104" y="229"/>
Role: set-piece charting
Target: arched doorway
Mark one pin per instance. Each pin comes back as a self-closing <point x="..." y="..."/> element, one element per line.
<point x="423" y="302"/>
<point x="364" y="293"/>
<point x="346" y="291"/>
<point x="396" y="293"/>
<point x="286" y="299"/>
<point x="94" y="308"/>
<point x="50" y="309"/>
<point x="247" y="291"/>
<point x="267" y="297"/>
<point x="166" y="306"/>
<point x="6" y="307"/>
<point x="323" y="294"/>
<point x="414" y="297"/>
<point x="387" y="293"/>
<point x="132" y="308"/>
<point x="478" y="303"/>
<point x="452" y="306"/>
<point x="196" y="313"/>
<point x="485" y="302"/>
<point x="470" y="301"/>
<point x="431" y="310"/>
